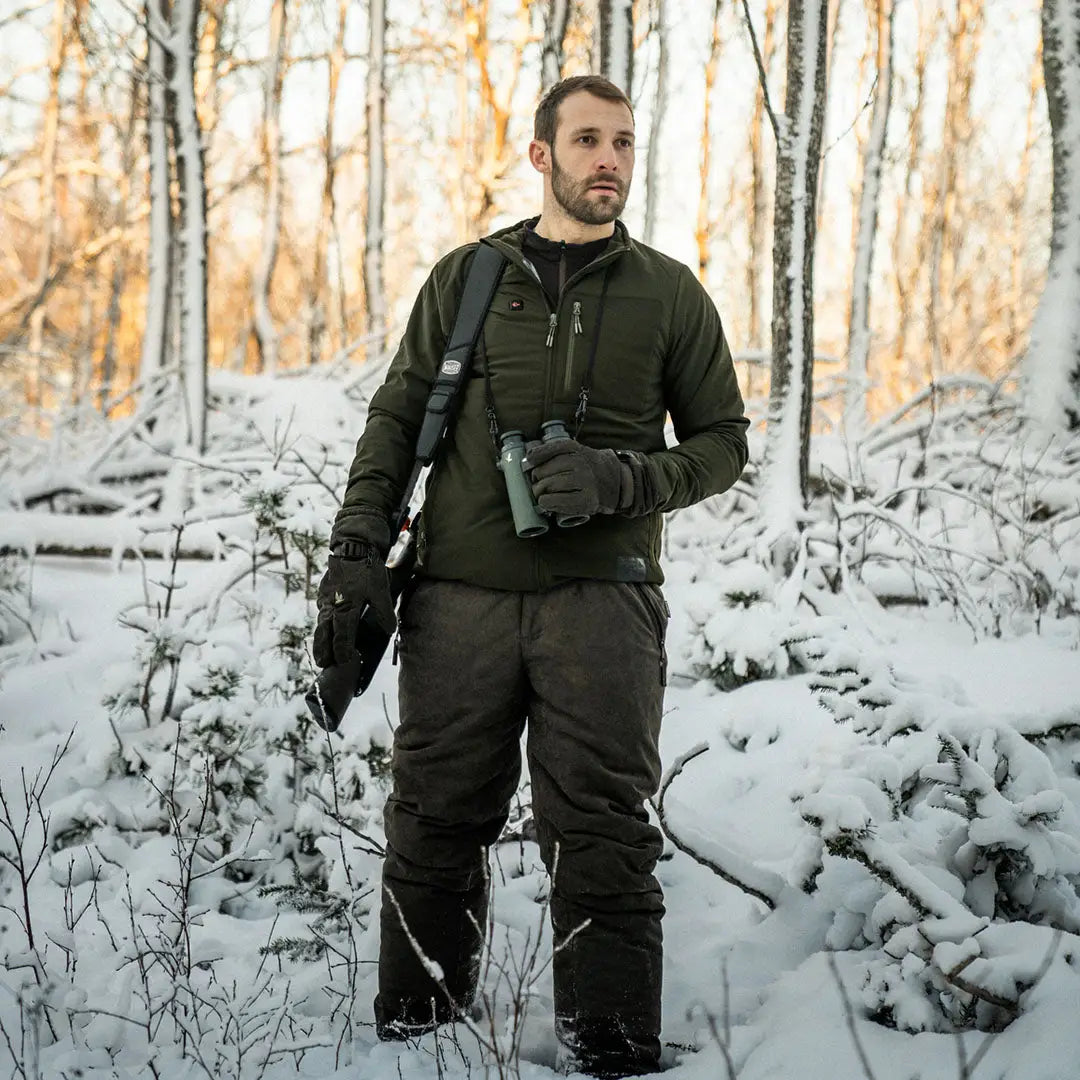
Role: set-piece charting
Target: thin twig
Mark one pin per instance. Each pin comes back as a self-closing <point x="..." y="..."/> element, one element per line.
<point x="665" y="827"/>
<point x="849" y="1015"/>
<point x="763" y="77"/>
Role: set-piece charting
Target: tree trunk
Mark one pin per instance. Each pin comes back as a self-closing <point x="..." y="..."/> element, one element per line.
<point x="1018" y="315"/>
<point x="552" y="54"/>
<point x="266" y="333"/>
<point x="703" y="229"/>
<point x="855" y="413"/>
<point x="46" y="208"/>
<point x="783" y="493"/>
<point x="835" y="7"/>
<point x="192" y="231"/>
<point x="207" y="90"/>
<point x="320" y="287"/>
<point x="374" y="286"/>
<point x="947" y="232"/>
<point x="908" y="265"/>
<point x="617" y="43"/>
<point x="160" y="247"/>
<point x="1052" y="376"/>
<point x="656" y="123"/>
<point x="118" y="278"/>
<point x="758" y="209"/>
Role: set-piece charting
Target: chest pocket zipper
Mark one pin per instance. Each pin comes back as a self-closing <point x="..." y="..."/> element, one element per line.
<point x="575" y="333"/>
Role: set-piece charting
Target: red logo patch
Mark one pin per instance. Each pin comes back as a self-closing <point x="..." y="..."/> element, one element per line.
<point x="517" y="305"/>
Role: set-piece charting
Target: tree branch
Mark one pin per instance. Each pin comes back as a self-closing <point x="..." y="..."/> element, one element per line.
<point x="762" y="893"/>
<point x="763" y="77"/>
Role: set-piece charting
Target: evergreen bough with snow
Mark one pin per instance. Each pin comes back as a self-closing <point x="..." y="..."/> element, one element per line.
<point x="946" y="843"/>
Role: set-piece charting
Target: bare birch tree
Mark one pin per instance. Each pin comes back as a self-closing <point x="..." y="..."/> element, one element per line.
<point x="798" y="139"/>
<point x="1052" y="373"/>
<point x="947" y="287"/>
<point x="319" y="284"/>
<point x="869" y="199"/>
<point x="908" y="265"/>
<point x="656" y="123"/>
<point x="553" y="49"/>
<point x="616" y="25"/>
<point x="835" y="11"/>
<point x="160" y="245"/>
<point x="374" y="287"/>
<point x="703" y="229"/>
<point x="758" y="202"/>
<point x="191" y="183"/>
<point x="266" y="331"/>
<point x="46" y="206"/>
<point x="118" y="277"/>
<point x="1018" y="302"/>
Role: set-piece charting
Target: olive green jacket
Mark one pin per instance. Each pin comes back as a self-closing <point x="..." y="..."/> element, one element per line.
<point x="660" y="350"/>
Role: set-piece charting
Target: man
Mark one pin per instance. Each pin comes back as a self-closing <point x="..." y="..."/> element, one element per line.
<point x="564" y="630"/>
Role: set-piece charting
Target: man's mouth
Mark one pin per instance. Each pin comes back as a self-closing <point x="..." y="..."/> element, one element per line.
<point x="611" y="188"/>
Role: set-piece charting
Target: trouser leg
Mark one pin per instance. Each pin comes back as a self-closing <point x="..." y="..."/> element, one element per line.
<point x="455" y="766"/>
<point x="595" y="660"/>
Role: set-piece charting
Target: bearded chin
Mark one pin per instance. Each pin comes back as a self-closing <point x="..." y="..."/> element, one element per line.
<point x="576" y="204"/>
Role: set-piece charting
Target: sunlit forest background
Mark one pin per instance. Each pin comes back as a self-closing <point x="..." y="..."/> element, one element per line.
<point x="284" y="91"/>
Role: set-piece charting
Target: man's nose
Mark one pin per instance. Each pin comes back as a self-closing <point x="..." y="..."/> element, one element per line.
<point x="606" y="159"/>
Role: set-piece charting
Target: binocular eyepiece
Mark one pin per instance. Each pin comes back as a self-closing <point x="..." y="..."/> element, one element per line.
<point x="528" y="518"/>
<point x="553" y="431"/>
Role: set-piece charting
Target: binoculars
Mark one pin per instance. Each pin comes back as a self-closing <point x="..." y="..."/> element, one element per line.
<point x="528" y="519"/>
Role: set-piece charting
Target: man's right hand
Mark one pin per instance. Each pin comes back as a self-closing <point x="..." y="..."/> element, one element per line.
<point x="356" y="576"/>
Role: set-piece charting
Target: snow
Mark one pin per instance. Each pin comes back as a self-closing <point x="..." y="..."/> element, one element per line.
<point x="900" y="783"/>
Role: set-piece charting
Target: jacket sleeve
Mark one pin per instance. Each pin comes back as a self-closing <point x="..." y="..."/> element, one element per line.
<point x="386" y="450"/>
<point x="702" y="397"/>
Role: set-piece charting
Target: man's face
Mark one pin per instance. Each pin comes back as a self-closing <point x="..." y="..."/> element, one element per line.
<point x="592" y="159"/>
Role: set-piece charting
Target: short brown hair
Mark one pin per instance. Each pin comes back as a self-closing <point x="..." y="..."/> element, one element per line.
<point x="547" y="112"/>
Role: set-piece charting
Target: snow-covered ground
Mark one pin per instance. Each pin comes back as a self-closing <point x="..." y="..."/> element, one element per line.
<point x="763" y="977"/>
<point x="893" y="744"/>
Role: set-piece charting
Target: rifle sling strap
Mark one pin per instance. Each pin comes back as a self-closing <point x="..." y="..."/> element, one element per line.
<point x="480" y="285"/>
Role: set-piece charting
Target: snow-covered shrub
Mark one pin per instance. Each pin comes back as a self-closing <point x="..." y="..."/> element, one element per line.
<point x="965" y="828"/>
<point x="954" y="502"/>
<point x="741" y="633"/>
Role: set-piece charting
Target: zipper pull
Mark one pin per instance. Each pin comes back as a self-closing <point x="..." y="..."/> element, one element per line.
<point x="577" y="316"/>
<point x="553" y="322"/>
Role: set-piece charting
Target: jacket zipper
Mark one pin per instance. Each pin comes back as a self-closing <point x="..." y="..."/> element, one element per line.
<point x="575" y="333"/>
<point x="519" y="260"/>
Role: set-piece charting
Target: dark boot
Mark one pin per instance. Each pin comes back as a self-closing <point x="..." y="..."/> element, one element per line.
<point x="607" y="1047"/>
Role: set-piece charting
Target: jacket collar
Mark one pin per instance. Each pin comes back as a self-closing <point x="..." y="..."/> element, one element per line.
<point x="509" y="241"/>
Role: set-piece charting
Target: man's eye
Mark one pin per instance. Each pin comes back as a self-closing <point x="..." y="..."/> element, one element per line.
<point x="626" y="144"/>
<point x="585" y="139"/>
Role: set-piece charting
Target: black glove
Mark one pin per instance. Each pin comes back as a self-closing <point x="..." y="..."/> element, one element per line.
<point x="570" y="478"/>
<point x="356" y="576"/>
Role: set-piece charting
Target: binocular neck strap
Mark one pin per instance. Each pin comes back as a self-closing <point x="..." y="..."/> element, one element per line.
<point x="582" y="405"/>
<point x="489" y="398"/>
<point x="586" y="382"/>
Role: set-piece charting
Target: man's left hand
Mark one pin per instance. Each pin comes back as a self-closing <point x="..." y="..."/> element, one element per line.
<point x="570" y="478"/>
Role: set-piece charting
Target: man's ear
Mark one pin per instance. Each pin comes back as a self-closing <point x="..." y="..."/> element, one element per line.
<point x="540" y="156"/>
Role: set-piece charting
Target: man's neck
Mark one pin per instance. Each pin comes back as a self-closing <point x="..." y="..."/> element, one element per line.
<point x="556" y="226"/>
